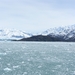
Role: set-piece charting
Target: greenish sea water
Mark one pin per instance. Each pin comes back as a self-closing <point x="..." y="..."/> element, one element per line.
<point x="37" y="58"/>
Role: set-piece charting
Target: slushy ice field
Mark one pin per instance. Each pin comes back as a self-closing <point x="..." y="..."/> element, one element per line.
<point x="37" y="58"/>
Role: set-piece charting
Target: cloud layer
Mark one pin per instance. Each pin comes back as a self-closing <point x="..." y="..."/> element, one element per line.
<point x="36" y="15"/>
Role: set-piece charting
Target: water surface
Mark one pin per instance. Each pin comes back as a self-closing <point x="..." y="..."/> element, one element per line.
<point x="37" y="58"/>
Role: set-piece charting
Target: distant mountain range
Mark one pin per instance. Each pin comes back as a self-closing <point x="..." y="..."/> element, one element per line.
<point x="66" y="33"/>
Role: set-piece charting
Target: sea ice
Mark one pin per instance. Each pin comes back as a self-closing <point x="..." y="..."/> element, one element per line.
<point x="3" y="53"/>
<point x="7" y="69"/>
<point x="15" y="66"/>
<point x="39" y="66"/>
<point x="25" y="73"/>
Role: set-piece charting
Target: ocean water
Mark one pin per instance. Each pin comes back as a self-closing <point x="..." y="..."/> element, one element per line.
<point x="37" y="58"/>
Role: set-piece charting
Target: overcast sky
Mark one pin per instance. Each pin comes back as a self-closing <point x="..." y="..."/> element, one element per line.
<point x="36" y="15"/>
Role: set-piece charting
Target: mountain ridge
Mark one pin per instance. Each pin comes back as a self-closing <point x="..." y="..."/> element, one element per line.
<point x="66" y="33"/>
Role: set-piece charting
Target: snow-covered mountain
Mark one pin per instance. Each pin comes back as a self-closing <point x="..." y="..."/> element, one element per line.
<point x="13" y="34"/>
<point x="67" y="32"/>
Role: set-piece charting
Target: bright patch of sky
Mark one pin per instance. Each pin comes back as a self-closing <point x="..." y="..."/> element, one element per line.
<point x="36" y="15"/>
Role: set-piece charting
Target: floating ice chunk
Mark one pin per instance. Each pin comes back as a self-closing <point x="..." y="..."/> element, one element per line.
<point x="26" y="53"/>
<point x="73" y="72"/>
<point x="53" y="70"/>
<point x="3" y="53"/>
<point x="23" y="62"/>
<point x="25" y="73"/>
<point x="39" y="66"/>
<point x="68" y="49"/>
<point x="8" y="64"/>
<point x="16" y="66"/>
<point x="55" y="46"/>
<point x="7" y="69"/>
<point x="28" y="59"/>
<point x="0" y="58"/>
<point x="39" y="73"/>
<point x="67" y="69"/>
<point x="57" y="66"/>
<point x="23" y="47"/>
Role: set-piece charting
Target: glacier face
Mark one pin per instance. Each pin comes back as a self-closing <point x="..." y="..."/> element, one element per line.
<point x="13" y="34"/>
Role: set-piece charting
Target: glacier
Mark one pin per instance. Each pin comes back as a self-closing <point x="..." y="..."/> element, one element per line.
<point x="13" y="34"/>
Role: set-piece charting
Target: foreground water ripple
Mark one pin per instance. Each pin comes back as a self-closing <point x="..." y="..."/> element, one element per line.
<point x="37" y="58"/>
